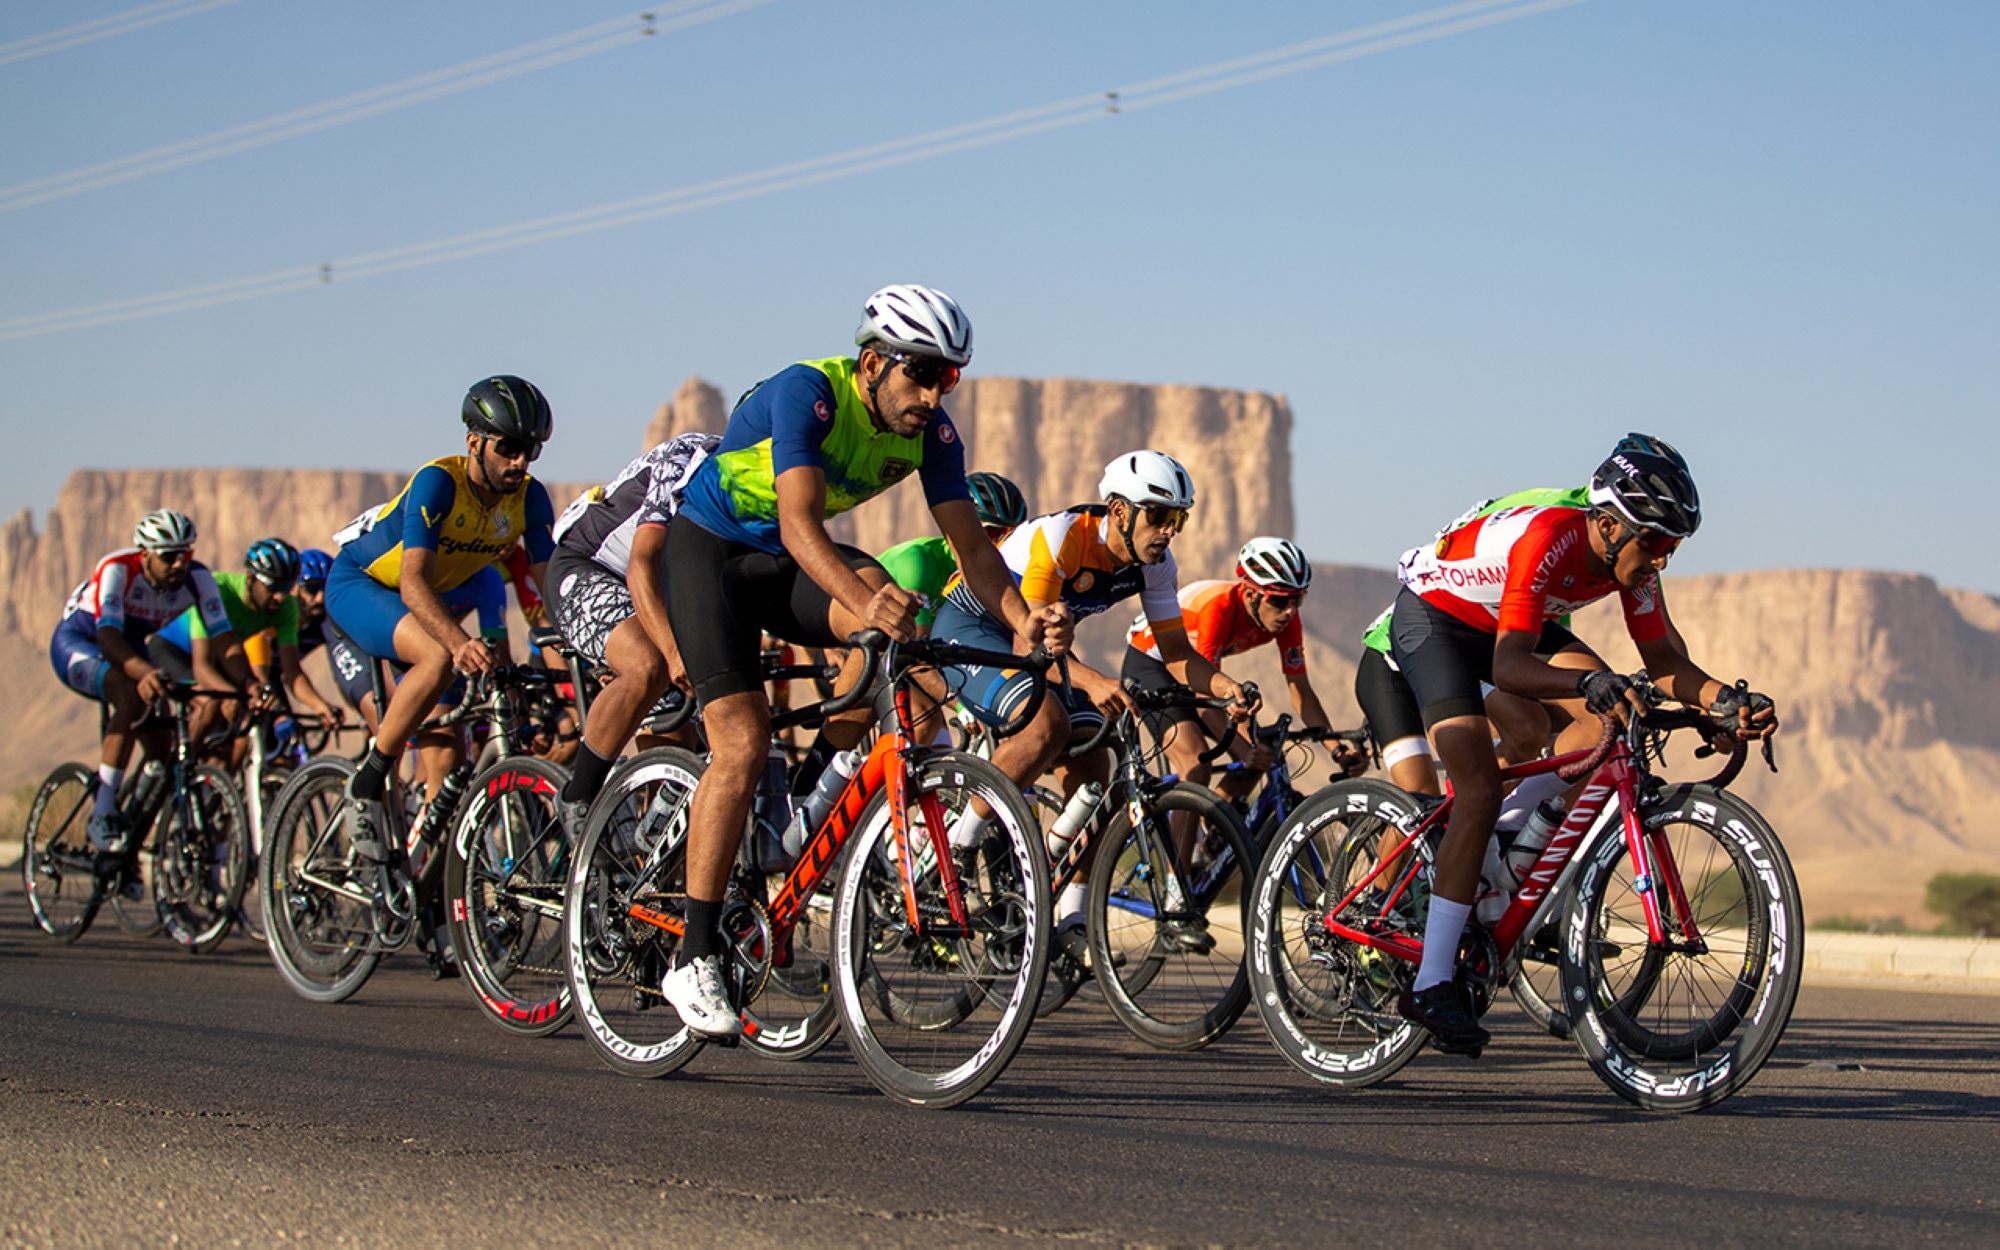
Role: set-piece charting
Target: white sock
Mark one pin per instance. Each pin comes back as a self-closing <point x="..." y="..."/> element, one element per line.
<point x="966" y="830"/>
<point x="1071" y="904"/>
<point x="108" y="781"/>
<point x="1529" y="795"/>
<point x="1442" y="928"/>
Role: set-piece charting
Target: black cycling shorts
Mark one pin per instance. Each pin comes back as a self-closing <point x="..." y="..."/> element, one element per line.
<point x="1152" y="674"/>
<point x="1445" y="660"/>
<point x="723" y="597"/>
<point x="1386" y="700"/>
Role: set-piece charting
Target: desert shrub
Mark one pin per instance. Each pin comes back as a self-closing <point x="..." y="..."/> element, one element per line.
<point x="1969" y="902"/>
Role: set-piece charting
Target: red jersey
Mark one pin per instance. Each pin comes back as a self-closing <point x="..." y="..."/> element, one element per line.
<point x="117" y="594"/>
<point x="1518" y="567"/>
<point x="1218" y="624"/>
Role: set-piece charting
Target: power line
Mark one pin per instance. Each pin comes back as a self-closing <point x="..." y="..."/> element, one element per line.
<point x="1295" y="58"/>
<point x="480" y="72"/>
<point x="104" y="28"/>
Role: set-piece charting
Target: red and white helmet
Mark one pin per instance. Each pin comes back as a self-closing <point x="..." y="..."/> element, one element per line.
<point x="919" y="320"/>
<point x="1145" y="477"/>
<point x="1274" y="564"/>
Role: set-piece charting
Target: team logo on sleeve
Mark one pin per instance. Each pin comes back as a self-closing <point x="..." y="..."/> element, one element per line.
<point x="945" y="433"/>
<point x="821" y="411"/>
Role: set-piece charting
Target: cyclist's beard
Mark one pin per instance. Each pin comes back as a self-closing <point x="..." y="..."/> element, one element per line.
<point x="505" y="482"/>
<point x="919" y="415"/>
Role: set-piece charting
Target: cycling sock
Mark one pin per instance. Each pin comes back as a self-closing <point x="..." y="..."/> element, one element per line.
<point x="704" y="932"/>
<point x="1518" y="806"/>
<point x="1071" y="903"/>
<point x="1442" y="929"/>
<point x="588" y="776"/>
<point x="372" y="778"/>
<point x="108" y="781"/>
<point x="965" y="831"/>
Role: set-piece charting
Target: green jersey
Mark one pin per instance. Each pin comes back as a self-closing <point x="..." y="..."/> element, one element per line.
<point x="922" y="566"/>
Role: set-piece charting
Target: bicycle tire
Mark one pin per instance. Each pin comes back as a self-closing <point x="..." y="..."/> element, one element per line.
<point x="250" y="911"/>
<point x="58" y="871"/>
<point x="1675" y="1030"/>
<point x="995" y="969"/>
<point x="506" y="871"/>
<point x="138" y="913"/>
<point x="202" y="848"/>
<point x="1166" y="994"/>
<point x="615" y="963"/>
<point x="1329" y="1005"/>
<point x="321" y="940"/>
<point x="1536" y="983"/>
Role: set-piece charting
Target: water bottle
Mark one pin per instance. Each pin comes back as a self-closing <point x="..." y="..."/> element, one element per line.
<point x="839" y="771"/>
<point x="1496" y="883"/>
<point x="773" y="808"/>
<point x="145" y="793"/>
<point x="1081" y="806"/>
<point x="430" y="823"/>
<point x="1534" y="836"/>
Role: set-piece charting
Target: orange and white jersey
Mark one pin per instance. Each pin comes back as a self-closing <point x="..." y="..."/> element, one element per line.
<point x="1063" y="557"/>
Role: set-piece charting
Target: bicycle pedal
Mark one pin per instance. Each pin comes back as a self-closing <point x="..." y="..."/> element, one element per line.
<point x="727" y="1041"/>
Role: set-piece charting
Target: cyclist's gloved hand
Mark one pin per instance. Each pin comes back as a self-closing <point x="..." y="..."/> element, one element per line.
<point x="1351" y="762"/>
<point x="1602" y="691"/>
<point x="1754" y="715"/>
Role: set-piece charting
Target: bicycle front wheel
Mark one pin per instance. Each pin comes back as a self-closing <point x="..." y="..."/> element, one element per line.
<point x="58" y="871"/>
<point x="1329" y="1004"/>
<point x="319" y="919"/>
<point x="934" y="1011"/>
<point x="202" y="851"/>
<point x="632" y="857"/>
<point x="1682" y="1025"/>
<point x="1168" y="940"/>
<point x="504" y="876"/>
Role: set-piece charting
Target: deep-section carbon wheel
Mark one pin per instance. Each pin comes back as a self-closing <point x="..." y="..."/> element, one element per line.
<point x="505" y="872"/>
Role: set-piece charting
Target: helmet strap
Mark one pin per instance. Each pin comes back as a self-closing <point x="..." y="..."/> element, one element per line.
<point x="1131" y="523"/>
<point x="1612" y="546"/>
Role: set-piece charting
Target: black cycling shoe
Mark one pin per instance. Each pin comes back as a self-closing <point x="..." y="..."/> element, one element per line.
<point x="966" y="861"/>
<point x="1184" y="937"/>
<point x="1441" y="1011"/>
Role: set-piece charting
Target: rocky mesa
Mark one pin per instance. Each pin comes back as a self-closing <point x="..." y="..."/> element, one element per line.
<point x="1889" y="684"/>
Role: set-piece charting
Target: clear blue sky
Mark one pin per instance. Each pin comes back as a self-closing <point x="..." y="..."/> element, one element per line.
<point x="1765" y="231"/>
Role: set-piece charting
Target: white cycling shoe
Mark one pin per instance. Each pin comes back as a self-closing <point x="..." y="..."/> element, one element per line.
<point x="696" y="992"/>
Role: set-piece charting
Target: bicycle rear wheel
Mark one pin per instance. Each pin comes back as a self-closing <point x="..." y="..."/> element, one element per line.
<point x="504" y="877"/>
<point x="134" y="904"/>
<point x="934" y="1013"/>
<point x="1175" y="945"/>
<point x="202" y="850"/>
<point x="1680" y="1027"/>
<point x="318" y="909"/>
<point x="1329" y="1004"/>
<point x="637" y="830"/>
<point x="57" y="864"/>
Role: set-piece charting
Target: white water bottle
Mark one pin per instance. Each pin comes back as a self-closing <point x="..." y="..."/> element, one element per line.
<point x="1079" y="809"/>
<point x="839" y="771"/>
<point x="1534" y="836"/>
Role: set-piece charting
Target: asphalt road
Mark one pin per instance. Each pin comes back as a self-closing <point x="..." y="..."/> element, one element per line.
<point x="149" y="1096"/>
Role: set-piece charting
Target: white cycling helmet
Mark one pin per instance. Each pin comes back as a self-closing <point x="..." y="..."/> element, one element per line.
<point x="1145" y="477"/>
<point x="1274" y="564"/>
<point x="917" y="319"/>
<point x="164" y="530"/>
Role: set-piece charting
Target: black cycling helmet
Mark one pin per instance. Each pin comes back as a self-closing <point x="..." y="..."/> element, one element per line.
<point x="996" y="500"/>
<point x="274" y="562"/>
<point x="508" y="407"/>
<point x="1646" y="484"/>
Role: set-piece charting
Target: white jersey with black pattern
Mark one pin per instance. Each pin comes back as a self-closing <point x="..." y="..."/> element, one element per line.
<point x="600" y="524"/>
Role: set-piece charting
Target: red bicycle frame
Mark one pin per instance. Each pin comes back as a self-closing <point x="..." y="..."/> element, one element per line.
<point x="1616" y="776"/>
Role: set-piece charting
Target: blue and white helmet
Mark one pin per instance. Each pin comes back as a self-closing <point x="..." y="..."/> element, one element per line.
<point x="919" y="320"/>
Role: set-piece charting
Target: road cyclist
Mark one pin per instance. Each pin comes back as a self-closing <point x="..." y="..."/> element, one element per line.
<point x="749" y="553"/>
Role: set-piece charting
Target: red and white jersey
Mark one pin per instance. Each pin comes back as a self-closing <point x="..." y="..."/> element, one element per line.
<point x="1518" y="567"/>
<point x="117" y="594"/>
<point x="1218" y="624"/>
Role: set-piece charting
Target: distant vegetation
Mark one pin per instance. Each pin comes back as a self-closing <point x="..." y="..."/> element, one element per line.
<point x="1968" y="901"/>
<point x="1862" y="924"/>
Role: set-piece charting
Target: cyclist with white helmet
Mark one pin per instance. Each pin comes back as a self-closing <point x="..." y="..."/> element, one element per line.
<point x="1477" y="605"/>
<point x="99" y="648"/>
<point x="1225" y="618"/>
<point x="749" y="554"/>
<point x="1086" y="559"/>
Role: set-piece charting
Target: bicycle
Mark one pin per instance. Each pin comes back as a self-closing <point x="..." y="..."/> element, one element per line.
<point x="1277" y="800"/>
<point x="1677" y="908"/>
<point x="329" y="918"/>
<point x="187" y="814"/>
<point x="1171" y="926"/>
<point x="936" y="993"/>
<point x="280" y="741"/>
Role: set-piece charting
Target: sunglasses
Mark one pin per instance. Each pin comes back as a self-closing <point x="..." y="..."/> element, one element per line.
<point x="175" y="555"/>
<point x="1658" y="545"/>
<point x="1281" y="602"/>
<point x="1160" y="516"/>
<point x="514" y="448"/>
<point x="928" y="372"/>
<point x="276" y="588"/>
